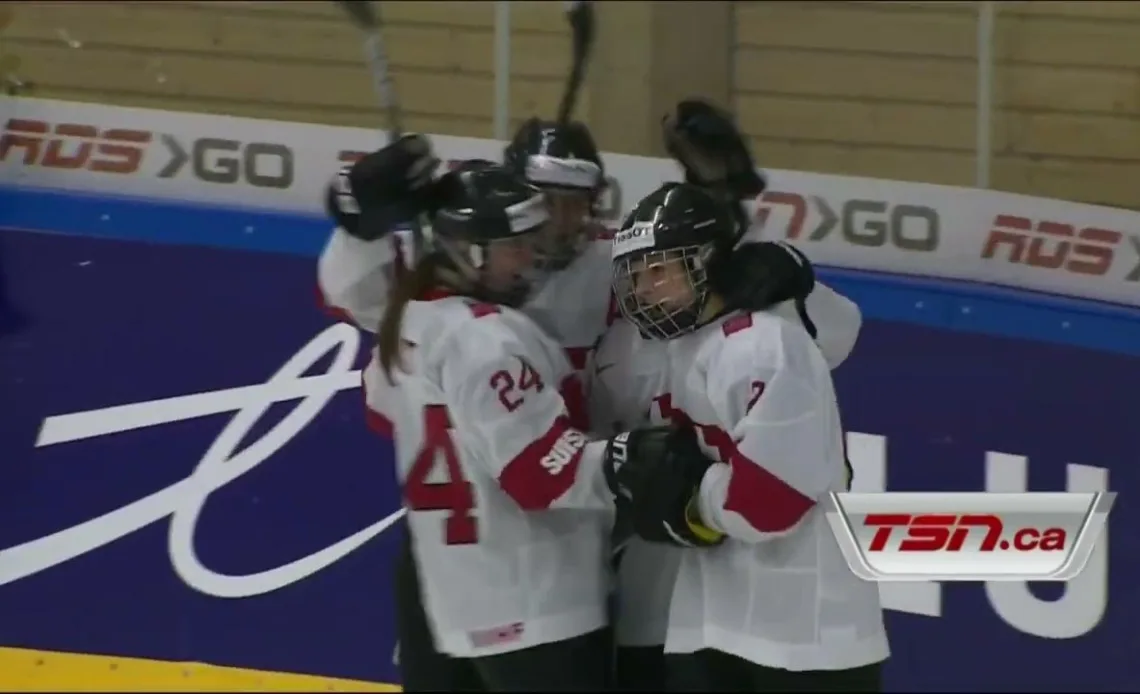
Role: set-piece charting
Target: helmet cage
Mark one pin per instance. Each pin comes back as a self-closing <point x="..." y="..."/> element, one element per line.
<point x="662" y="319"/>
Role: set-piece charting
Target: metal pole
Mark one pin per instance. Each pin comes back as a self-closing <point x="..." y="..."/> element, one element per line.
<point x="502" y="70"/>
<point x="985" y="106"/>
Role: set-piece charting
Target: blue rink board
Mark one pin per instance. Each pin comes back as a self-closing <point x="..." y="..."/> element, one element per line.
<point x="953" y="305"/>
<point x="132" y="301"/>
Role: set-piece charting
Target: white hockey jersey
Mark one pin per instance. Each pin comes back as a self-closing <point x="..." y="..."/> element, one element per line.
<point x="628" y="372"/>
<point x="507" y="506"/>
<point x="778" y="592"/>
<point x="576" y="307"/>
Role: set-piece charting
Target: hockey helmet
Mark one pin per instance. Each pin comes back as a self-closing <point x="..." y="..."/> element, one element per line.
<point x="562" y="160"/>
<point x="662" y="254"/>
<point x="485" y="223"/>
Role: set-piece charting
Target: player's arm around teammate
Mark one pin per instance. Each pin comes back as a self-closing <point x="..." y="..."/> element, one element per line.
<point x="630" y="370"/>
<point x="762" y="600"/>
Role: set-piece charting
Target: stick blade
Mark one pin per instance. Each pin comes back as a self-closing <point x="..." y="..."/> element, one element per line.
<point x="581" y="18"/>
<point x="360" y="12"/>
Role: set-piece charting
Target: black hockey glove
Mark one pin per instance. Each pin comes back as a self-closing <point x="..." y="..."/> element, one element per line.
<point x="705" y="141"/>
<point x="385" y="189"/>
<point x="758" y="275"/>
<point x="655" y="474"/>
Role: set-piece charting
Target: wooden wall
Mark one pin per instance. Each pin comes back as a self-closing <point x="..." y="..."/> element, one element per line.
<point x="866" y="88"/>
<point x="291" y="60"/>
<point x="888" y="89"/>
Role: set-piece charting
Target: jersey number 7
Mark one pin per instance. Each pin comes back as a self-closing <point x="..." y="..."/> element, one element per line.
<point x="456" y="494"/>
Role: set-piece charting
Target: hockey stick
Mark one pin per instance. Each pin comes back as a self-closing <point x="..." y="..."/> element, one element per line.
<point x="366" y="16"/>
<point x="581" y="17"/>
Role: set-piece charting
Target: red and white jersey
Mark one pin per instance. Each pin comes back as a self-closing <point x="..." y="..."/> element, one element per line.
<point x="507" y="505"/>
<point x="628" y="372"/>
<point x="572" y="305"/>
<point x="778" y="592"/>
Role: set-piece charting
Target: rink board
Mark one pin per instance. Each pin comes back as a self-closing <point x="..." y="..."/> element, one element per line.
<point x="133" y="302"/>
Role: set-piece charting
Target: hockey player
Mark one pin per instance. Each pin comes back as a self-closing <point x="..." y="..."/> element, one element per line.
<point x="385" y="190"/>
<point x="389" y="187"/>
<point x="762" y="599"/>
<point x="509" y="501"/>
<point x="629" y="368"/>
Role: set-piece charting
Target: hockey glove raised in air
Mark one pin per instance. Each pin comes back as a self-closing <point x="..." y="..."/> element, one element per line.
<point x="706" y="142"/>
<point x="384" y="189"/>
<point x="655" y="474"/>
<point x="758" y="275"/>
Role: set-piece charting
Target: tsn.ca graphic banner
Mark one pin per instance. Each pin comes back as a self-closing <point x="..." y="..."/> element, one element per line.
<point x="207" y="491"/>
<point x="968" y="536"/>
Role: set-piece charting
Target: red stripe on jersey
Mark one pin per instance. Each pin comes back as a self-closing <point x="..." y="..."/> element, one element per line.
<point x="579" y="357"/>
<point x="378" y="423"/>
<point x="768" y="503"/>
<point x="736" y="324"/>
<point x="333" y="311"/>
<point x="574" y="397"/>
<point x="480" y="309"/>
<point x="546" y="469"/>
<point x="436" y="293"/>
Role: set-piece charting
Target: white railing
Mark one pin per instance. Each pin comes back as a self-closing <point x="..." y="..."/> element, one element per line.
<point x="984" y="98"/>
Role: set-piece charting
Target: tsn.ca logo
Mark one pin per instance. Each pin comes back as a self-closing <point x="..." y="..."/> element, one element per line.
<point x="1057" y="246"/>
<point x="968" y="536"/>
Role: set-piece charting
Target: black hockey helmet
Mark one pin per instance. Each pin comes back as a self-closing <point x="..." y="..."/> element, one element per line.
<point x="551" y="155"/>
<point x="481" y="205"/>
<point x="562" y="160"/>
<point x="662" y="254"/>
